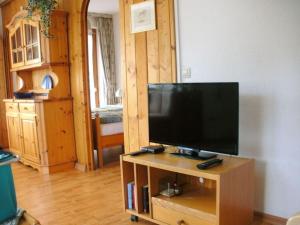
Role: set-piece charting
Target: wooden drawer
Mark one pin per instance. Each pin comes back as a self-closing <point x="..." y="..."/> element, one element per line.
<point x="27" y="107"/>
<point x="172" y="217"/>
<point x="11" y="107"/>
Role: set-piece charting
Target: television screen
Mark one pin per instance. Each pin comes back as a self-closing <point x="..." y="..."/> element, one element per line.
<point x="201" y="116"/>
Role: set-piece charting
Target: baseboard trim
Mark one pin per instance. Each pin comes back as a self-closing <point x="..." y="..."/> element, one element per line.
<point x="81" y="167"/>
<point x="267" y="218"/>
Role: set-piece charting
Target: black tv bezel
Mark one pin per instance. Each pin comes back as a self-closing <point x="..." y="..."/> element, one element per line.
<point x="192" y="148"/>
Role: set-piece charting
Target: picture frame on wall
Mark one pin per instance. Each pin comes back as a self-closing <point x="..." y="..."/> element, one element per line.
<point x="143" y="16"/>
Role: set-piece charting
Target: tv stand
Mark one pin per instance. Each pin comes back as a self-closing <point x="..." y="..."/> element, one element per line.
<point x="194" y="154"/>
<point x="215" y="199"/>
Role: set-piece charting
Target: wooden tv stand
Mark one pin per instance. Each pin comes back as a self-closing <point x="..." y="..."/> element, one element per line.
<point x="223" y="196"/>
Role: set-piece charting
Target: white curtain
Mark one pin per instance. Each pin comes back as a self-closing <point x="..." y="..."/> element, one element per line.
<point x="106" y="39"/>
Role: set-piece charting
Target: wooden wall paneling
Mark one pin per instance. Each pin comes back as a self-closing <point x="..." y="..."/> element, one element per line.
<point x="88" y="126"/>
<point x="173" y="40"/>
<point x="131" y="74"/>
<point x="153" y="56"/>
<point x="3" y="128"/>
<point x="164" y="36"/>
<point x="142" y="81"/>
<point x="149" y="58"/>
<point x="8" y="77"/>
<point x="79" y="84"/>
<point x="124" y="75"/>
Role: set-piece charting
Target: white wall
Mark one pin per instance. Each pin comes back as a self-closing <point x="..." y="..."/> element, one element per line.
<point x="257" y="43"/>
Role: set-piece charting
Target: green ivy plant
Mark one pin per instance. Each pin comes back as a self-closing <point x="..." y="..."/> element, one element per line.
<point x="44" y="7"/>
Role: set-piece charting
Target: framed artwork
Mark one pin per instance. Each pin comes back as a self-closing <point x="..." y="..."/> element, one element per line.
<point x="143" y="16"/>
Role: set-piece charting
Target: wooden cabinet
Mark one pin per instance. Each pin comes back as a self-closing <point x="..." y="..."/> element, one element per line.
<point x="16" y="45"/>
<point x="209" y="197"/>
<point x="31" y="39"/>
<point x="13" y="130"/>
<point x="25" y="46"/>
<point x="29" y="48"/>
<point x="41" y="132"/>
<point x="29" y="138"/>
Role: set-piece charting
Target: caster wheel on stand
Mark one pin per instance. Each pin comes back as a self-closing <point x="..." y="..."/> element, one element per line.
<point x="134" y="218"/>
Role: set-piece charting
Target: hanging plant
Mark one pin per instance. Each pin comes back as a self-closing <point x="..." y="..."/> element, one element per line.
<point x="44" y="8"/>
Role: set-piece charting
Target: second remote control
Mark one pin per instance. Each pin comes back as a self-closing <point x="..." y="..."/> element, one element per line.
<point x="209" y="164"/>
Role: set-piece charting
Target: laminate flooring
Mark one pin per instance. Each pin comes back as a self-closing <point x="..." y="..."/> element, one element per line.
<point x="74" y="198"/>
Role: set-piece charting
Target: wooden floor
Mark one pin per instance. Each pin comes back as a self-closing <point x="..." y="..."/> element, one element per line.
<point x="74" y="198"/>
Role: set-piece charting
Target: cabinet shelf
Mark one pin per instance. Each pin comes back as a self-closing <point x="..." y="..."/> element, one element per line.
<point x="200" y="203"/>
<point x="29" y="48"/>
<point x="38" y="66"/>
<point x="135" y="213"/>
<point x="34" y="56"/>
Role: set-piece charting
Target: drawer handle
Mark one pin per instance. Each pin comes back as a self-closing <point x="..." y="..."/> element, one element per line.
<point x="25" y="108"/>
<point x="10" y="107"/>
<point x="181" y="222"/>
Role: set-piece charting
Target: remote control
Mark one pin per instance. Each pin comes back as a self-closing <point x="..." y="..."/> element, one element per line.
<point x="155" y="149"/>
<point x="138" y="153"/>
<point x="209" y="164"/>
<point x="149" y="149"/>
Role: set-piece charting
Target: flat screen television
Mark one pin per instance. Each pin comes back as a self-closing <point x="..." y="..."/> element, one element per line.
<point x="195" y="116"/>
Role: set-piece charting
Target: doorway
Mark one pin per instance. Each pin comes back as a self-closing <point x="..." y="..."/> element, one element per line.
<point x="104" y="74"/>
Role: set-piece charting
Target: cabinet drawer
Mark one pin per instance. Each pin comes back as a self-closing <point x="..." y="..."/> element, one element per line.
<point x="172" y="217"/>
<point x="11" y="107"/>
<point x="27" y="107"/>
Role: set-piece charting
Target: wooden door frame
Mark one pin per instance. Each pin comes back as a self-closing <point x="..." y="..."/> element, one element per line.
<point x="95" y="68"/>
<point x="86" y="88"/>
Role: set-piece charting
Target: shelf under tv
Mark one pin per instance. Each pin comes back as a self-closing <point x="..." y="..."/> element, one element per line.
<point x="216" y="200"/>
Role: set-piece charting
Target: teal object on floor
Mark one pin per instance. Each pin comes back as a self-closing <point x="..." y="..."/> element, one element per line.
<point x="8" y="202"/>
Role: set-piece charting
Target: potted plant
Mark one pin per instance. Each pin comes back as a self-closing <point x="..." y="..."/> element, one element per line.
<point x="44" y="8"/>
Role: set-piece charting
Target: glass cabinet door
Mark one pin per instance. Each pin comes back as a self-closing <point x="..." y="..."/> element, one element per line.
<point x="32" y="42"/>
<point x="17" y="52"/>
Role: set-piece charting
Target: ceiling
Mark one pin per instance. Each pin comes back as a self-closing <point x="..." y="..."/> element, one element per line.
<point x="104" y="6"/>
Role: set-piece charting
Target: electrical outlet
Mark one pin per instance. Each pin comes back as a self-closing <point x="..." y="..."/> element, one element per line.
<point x="186" y="72"/>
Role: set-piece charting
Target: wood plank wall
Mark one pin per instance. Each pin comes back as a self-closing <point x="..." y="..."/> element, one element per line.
<point x="147" y="57"/>
<point x="76" y="69"/>
<point x="3" y="130"/>
<point x="78" y="84"/>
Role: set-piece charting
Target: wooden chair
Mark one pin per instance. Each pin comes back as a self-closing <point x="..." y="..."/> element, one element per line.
<point x="104" y="141"/>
